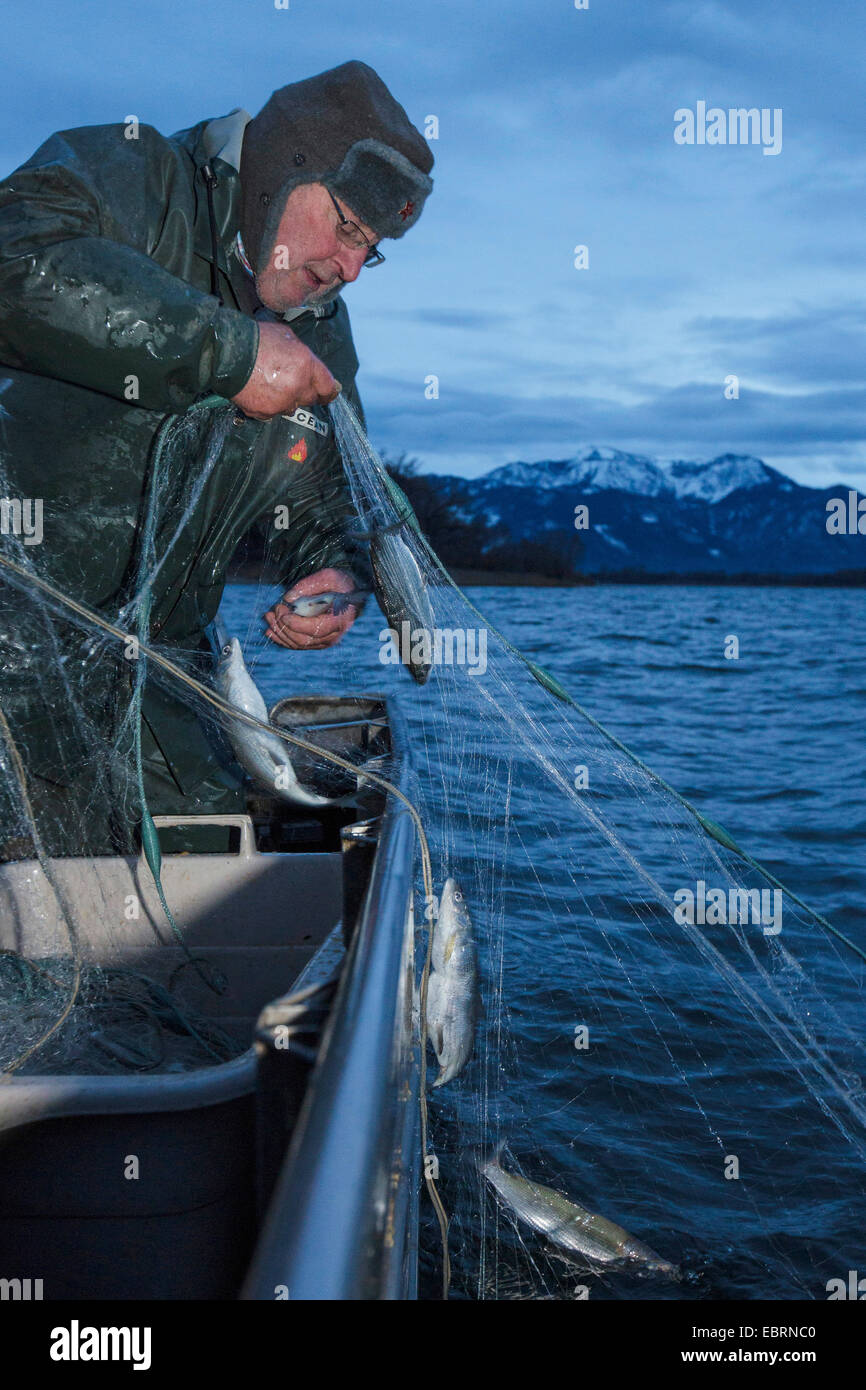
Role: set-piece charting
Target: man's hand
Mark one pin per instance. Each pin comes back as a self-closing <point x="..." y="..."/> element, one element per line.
<point x="310" y="634"/>
<point x="285" y="376"/>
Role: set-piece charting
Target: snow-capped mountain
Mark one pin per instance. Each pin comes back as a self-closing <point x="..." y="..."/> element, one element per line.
<point x="592" y="469"/>
<point x="733" y="513"/>
<point x="595" y="469"/>
<point x="716" y="479"/>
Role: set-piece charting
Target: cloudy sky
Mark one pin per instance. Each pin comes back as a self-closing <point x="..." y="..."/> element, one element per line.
<point x="556" y="129"/>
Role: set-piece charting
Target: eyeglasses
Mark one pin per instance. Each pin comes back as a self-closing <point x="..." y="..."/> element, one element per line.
<point x="351" y="235"/>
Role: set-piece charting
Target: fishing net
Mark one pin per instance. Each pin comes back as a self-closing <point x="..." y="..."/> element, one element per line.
<point x="121" y="1021"/>
<point x="657" y="1044"/>
<point x="100" y="704"/>
<point x="671" y="1066"/>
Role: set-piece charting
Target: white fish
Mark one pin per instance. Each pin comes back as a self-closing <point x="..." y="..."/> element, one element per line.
<point x="571" y="1227"/>
<point x="402" y="595"/>
<point x="453" y="1000"/>
<point x="312" y="605"/>
<point x="264" y="756"/>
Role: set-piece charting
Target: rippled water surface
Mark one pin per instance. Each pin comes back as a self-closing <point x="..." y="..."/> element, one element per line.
<point x="679" y="1077"/>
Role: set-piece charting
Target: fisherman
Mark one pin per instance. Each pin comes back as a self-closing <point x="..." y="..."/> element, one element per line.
<point x="140" y="274"/>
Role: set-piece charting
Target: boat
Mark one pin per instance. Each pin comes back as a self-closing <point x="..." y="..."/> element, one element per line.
<point x="291" y="1171"/>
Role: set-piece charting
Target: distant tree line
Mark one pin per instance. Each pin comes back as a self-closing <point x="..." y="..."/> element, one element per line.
<point x="835" y="579"/>
<point x="460" y="542"/>
<point x="466" y="542"/>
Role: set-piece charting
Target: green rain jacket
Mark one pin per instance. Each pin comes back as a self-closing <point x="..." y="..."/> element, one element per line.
<point x="108" y="324"/>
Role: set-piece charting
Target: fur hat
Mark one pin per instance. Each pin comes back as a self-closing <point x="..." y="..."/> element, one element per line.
<point x="345" y="130"/>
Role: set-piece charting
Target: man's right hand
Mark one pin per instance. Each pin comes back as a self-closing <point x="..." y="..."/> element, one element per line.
<point x="285" y="376"/>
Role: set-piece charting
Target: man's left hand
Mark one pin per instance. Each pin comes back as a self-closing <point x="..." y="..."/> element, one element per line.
<point x="310" y="634"/>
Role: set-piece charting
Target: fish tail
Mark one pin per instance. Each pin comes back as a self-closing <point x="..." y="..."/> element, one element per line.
<point x="482" y="1162"/>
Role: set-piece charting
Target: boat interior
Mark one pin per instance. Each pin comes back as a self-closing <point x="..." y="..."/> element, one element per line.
<point x="175" y="1184"/>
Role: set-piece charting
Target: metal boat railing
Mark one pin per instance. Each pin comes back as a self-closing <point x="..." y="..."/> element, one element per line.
<point x="342" y="1223"/>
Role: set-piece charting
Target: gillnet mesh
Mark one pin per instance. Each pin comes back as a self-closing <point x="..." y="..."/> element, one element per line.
<point x="678" y="1077"/>
<point x="96" y="971"/>
<point x="684" y="1079"/>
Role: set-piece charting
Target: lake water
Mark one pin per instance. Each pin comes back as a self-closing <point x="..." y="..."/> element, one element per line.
<point x="679" y="1078"/>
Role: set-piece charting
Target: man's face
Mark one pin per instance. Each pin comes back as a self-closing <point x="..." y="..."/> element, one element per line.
<point x="308" y="263"/>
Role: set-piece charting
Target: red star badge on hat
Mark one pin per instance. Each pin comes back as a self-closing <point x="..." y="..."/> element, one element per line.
<point x="407" y="209"/>
<point x="299" y="453"/>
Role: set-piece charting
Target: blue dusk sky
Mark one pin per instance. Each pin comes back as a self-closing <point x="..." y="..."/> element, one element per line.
<point x="556" y="129"/>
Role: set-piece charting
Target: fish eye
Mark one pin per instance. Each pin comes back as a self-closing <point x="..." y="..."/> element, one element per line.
<point x="227" y="649"/>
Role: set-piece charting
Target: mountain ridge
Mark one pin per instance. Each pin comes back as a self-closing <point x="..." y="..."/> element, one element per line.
<point x="601" y="468"/>
<point x="730" y="513"/>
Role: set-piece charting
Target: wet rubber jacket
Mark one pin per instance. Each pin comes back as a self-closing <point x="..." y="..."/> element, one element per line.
<point x="108" y="324"/>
